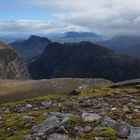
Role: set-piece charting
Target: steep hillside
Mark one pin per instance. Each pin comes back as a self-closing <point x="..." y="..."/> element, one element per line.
<point x="18" y="90"/>
<point x="11" y="64"/>
<point x="31" y="48"/>
<point x="95" y="113"/>
<point x="84" y="60"/>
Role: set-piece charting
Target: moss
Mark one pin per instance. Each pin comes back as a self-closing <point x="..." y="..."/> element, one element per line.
<point x="107" y="133"/>
<point x="106" y="91"/>
<point x="18" y="135"/>
<point x="12" y="124"/>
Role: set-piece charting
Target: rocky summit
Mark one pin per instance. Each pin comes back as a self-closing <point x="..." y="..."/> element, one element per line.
<point x="101" y="113"/>
<point x="11" y="64"/>
<point x="84" y="60"/>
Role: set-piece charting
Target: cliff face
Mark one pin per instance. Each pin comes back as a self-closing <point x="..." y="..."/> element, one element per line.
<point x="11" y="64"/>
<point x="84" y="60"/>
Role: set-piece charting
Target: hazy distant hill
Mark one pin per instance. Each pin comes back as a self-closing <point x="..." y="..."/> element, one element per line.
<point x="74" y="36"/>
<point x="84" y="59"/>
<point x="120" y="42"/>
<point x="80" y="35"/>
<point x="32" y="47"/>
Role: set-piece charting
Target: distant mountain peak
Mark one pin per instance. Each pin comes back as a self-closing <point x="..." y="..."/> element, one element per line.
<point x="80" y="34"/>
<point x="32" y="47"/>
<point x="35" y="37"/>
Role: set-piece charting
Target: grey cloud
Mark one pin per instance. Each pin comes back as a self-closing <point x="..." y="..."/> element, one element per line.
<point x="34" y="26"/>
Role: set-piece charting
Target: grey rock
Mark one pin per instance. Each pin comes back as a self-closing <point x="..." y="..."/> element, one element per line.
<point x="122" y="129"/>
<point x="57" y="136"/>
<point x="78" y="128"/>
<point x="27" y="118"/>
<point x="87" y="128"/>
<point x="27" y="125"/>
<point x="62" y="130"/>
<point x="125" y="108"/>
<point x="47" y="104"/>
<point x="65" y="120"/>
<point x="108" y="122"/>
<point x="29" y="106"/>
<point x="98" y="138"/>
<point x="27" y="137"/>
<point x="134" y="133"/>
<point x="90" y="117"/>
<point x="49" y="124"/>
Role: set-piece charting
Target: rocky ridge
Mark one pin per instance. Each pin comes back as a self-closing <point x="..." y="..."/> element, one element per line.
<point x="12" y="65"/>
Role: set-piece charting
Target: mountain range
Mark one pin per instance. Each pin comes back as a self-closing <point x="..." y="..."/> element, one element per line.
<point x="84" y="60"/>
<point x="121" y="42"/>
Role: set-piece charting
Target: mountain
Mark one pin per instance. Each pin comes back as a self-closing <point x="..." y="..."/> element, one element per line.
<point x="32" y="47"/>
<point x="80" y="35"/>
<point x="120" y="42"/>
<point x="75" y="37"/>
<point x="11" y="64"/>
<point x="84" y="60"/>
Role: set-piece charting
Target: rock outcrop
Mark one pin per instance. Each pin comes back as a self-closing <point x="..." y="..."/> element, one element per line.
<point x="11" y="64"/>
<point x="96" y="113"/>
<point x="84" y="60"/>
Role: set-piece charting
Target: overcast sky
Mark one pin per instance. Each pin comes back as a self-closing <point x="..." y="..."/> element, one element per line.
<point x="46" y="16"/>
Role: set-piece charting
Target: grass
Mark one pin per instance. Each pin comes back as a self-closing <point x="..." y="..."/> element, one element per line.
<point x="12" y="126"/>
<point x="106" y="91"/>
<point x="106" y="133"/>
<point x="13" y="90"/>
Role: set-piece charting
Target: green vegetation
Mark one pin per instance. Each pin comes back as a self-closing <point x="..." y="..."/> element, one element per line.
<point x="12" y="126"/>
<point x="107" y="133"/>
<point x="106" y="91"/>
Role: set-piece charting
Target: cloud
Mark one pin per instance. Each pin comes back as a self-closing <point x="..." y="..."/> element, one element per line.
<point x="34" y="27"/>
<point x="101" y="16"/>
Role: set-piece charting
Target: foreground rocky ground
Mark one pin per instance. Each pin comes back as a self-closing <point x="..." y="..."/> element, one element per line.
<point x="102" y="113"/>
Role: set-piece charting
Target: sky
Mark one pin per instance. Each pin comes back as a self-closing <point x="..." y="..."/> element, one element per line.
<point x="105" y="17"/>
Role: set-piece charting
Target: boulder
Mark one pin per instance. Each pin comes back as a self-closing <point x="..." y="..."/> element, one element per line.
<point x="90" y="117"/>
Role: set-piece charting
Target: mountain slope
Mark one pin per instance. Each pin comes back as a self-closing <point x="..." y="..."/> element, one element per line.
<point x="120" y="42"/>
<point x="132" y="50"/>
<point x="16" y="90"/>
<point x="11" y="64"/>
<point x="84" y="60"/>
<point x="31" y="48"/>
